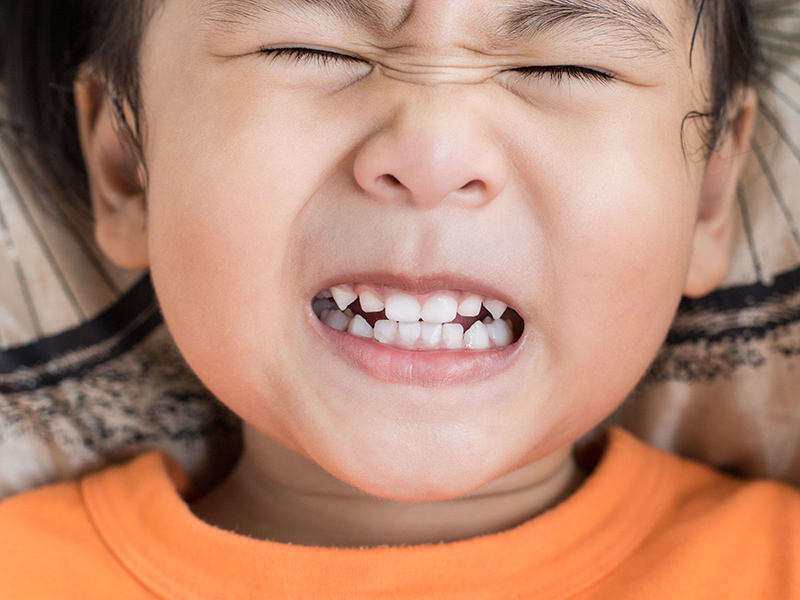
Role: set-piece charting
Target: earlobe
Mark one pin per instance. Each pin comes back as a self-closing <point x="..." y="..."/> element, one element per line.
<point x="117" y="192"/>
<point x="714" y="228"/>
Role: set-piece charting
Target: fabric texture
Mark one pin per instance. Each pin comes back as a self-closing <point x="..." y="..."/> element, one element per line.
<point x="644" y="525"/>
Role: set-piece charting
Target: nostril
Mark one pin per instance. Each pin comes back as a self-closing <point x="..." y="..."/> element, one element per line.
<point x="388" y="180"/>
<point x="474" y="186"/>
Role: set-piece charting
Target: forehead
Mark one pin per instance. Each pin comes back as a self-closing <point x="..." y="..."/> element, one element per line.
<point x="650" y="24"/>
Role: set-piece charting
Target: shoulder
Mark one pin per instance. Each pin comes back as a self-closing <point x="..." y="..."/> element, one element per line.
<point x="50" y="546"/>
<point x="747" y="502"/>
<point x="42" y="520"/>
<point x="700" y="533"/>
<point x="714" y="502"/>
<point x="697" y="490"/>
<point x="735" y="537"/>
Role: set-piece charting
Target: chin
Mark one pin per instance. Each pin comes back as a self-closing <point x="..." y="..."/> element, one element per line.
<point x="422" y="476"/>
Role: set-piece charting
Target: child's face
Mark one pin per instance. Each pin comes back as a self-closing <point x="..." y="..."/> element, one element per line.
<point x="430" y="161"/>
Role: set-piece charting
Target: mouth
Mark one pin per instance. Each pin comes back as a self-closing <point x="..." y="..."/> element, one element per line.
<point x="450" y="320"/>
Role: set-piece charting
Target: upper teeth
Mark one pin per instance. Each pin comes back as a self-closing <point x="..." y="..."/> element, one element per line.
<point x="404" y="311"/>
<point x="470" y="306"/>
<point x="495" y="308"/>
<point x="369" y="300"/>
<point x="439" y="307"/>
<point x="343" y="296"/>
<point x="402" y="307"/>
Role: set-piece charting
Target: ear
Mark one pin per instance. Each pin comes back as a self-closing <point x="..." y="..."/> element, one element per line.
<point x="714" y="228"/>
<point x="117" y="191"/>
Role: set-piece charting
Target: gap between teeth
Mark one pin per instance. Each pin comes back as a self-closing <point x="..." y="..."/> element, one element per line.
<point x="414" y="325"/>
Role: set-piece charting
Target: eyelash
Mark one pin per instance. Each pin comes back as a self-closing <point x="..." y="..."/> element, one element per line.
<point x="557" y="73"/>
<point x="309" y="55"/>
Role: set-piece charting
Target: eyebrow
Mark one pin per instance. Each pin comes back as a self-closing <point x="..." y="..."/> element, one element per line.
<point x="623" y="16"/>
<point x="520" y="18"/>
<point x="366" y="13"/>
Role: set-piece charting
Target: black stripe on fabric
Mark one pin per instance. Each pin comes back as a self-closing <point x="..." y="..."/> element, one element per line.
<point x="23" y="382"/>
<point x="769" y="302"/>
<point x="131" y="318"/>
<point x="745" y="296"/>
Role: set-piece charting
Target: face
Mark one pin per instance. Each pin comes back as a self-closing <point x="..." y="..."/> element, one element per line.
<point x="420" y="153"/>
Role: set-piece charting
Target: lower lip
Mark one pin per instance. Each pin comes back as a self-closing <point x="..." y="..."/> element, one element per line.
<point x="432" y="368"/>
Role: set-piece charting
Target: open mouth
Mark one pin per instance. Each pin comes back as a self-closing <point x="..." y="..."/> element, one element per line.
<point x="441" y="320"/>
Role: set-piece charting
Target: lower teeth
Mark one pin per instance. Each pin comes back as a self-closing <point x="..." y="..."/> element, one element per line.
<point x="481" y="335"/>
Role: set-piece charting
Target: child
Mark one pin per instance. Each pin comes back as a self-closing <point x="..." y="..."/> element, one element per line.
<point x="421" y="248"/>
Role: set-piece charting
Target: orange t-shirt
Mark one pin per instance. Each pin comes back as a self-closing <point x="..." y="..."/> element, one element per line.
<point x="644" y="525"/>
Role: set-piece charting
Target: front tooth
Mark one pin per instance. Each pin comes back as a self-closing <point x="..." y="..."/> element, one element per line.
<point x="409" y="332"/>
<point x="431" y="333"/>
<point x="453" y="335"/>
<point x="495" y="308"/>
<point x="470" y="306"/>
<point x="439" y="308"/>
<point x="385" y="331"/>
<point x="500" y="333"/>
<point x="402" y="307"/>
<point x="369" y="301"/>
<point x="336" y="319"/>
<point x="476" y="337"/>
<point x="359" y="326"/>
<point x="344" y="296"/>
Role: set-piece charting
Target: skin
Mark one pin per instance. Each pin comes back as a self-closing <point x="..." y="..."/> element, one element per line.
<point x="430" y="158"/>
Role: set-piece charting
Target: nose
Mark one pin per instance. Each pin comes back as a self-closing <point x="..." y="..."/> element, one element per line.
<point x="432" y="152"/>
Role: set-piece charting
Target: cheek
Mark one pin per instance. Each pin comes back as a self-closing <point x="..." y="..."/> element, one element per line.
<point x="629" y="251"/>
<point x="226" y="185"/>
<point x="222" y="205"/>
<point x="229" y="202"/>
<point x="617" y="213"/>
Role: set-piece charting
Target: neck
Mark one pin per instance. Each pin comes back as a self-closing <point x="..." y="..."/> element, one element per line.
<point x="278" y="495"/>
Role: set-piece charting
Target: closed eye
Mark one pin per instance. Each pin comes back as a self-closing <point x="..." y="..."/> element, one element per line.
<point x="558" y="73"/>
<point x="313" y="56"/>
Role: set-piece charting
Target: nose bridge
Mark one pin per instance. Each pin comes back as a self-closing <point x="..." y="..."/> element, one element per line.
<point x="433" y="148"/>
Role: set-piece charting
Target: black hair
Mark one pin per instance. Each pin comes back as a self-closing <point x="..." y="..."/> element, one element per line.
<point x="44" y="44"/>
<point x="727" y="31"/>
